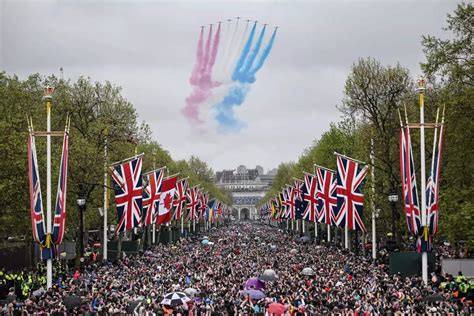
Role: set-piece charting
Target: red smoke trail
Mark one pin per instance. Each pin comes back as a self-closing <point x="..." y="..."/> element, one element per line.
<point x="201" y="76"/>
<point x="197" y="67"/>
<point x="206" y="53"/>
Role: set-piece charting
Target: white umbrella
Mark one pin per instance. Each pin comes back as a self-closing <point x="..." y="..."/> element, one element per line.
<point x="175" y="298"/>
<point x="191" y="291"/>
<point x="308" y="271"/>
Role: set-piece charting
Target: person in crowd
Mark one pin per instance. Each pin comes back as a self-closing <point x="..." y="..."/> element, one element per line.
<point x="343" y="282"/>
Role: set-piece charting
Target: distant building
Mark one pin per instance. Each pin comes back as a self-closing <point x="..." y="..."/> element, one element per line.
<point x="247" y="187"/>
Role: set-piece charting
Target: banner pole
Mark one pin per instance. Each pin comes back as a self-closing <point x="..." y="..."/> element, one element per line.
<point x="105" y="237"/>
<point x="49" y="262"/>
<point x="374" y="231"/>
<point x="424" y="255"/>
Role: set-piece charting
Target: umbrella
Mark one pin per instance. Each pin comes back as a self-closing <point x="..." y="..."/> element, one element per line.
<point x="254" y="294"/>
<point x="204" y="241"/>
<point x="72" y="301"/>
<point x="305" y="239"/>
<point x="39" y="292"/>
<point x="175" y="298"/>
<point x="276" y="309"/>
<point x="293" y="251"/>
<point x="434" y="298"/>
<point x="308" y="271"/>
<point x="273" y="247"/>
<point x="254" y="283"/>
<point x="268" y="275"/>
<point x="131" y="307"/>
<point x="205" y="237"/>
<point x="210" y="243"/>
<point x="191" y="291"/>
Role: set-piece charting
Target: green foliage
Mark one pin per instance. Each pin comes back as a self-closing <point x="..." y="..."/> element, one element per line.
<point x="373" y="94"/>
<point x="451" y="59"/>
<point x="98" y="113"/>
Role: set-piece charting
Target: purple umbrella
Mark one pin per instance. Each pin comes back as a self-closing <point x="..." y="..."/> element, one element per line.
<point x="254" y="283"/>
<point x="254" y="294"/>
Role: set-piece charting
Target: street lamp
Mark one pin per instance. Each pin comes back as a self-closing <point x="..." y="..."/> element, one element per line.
<point x="393" y="198"/>
<point x="81" y="203"/>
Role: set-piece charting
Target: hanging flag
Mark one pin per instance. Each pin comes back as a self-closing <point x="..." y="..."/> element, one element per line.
<point x="127" y="183"/>
<point x="350" y="200"/>
<point x="281" y="198"/>
<point x="36" y="203"/>
<point x="432" y="187"/>
<point x="291" y="200"/>
<point x="209" y="210"/>
<point x="203" y="199"/>
<point x="60" y="209"/>
<point x="151" y="195"/>
<point x="327" y="196"/>
<point x="408" y="175"/>
<point x="180" y="198"/>
<point x="310" y="196"/>
<point x="299" y="189"/>
<point x="192" y="202"/>
<point x="168" y="188"/>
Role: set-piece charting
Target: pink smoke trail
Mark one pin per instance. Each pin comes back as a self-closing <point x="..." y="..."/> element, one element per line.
<point x="206" y="53"/>
<point x="212" y="60"/>
<point x="197" y="67"/>
<point x="201" y="76"/>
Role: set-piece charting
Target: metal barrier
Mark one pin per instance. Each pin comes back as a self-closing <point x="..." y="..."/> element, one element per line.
<point x="453" y="266"/>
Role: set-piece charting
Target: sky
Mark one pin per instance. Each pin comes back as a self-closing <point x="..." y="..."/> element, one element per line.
<point x="148" y="48"/>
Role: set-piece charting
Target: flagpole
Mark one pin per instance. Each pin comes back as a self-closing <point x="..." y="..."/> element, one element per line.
<point x="315" y="229"/>
<point x="346" y="236"/>
<point x="329" y="233"/>
<point x="182" y="225"/>
<point x="104" y="255"/>
<point x="303" y="228"/>
<point x="424" y="255"/>
<point x="49" y="263"/>
<point x="374" y="231"/>
<point x="153" y="232"/>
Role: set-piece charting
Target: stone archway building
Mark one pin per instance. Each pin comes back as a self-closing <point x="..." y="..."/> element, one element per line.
<point x="247" y="187"/>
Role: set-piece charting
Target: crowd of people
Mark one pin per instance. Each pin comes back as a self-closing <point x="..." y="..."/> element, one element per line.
<point x="302" y="277"/>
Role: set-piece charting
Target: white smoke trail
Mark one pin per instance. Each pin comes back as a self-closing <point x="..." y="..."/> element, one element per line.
<point x="238" y="47"/>
<point x="222" y="52"/>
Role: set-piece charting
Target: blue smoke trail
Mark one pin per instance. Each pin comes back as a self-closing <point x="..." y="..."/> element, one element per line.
<point x="251" y="74"/>
<point x="251" y="59"/>
<point x="244" y="54"/>
<point x="242" y="78"/>
<point x="225" y="112"/>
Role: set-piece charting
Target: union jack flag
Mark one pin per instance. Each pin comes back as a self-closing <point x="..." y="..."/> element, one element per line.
<point x="151" y="196"/>
<point x="300" y="203"/>
<point x="298" y="187"/>
<point x="180" y="198"/>
<point x="291" y="200"/>
<point x="327" y="196"/>
<point x="350" y="200"/>
<point x="36" y="203"/>
<point x="310" y="196"/>
<point x="192" y="202"/>
<point x="410" y="193"/>
<point x="60" y="209"/>
<point x="432" y="188"/>
<point x="127" y="180"/>
<point x="203" y="200"/>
